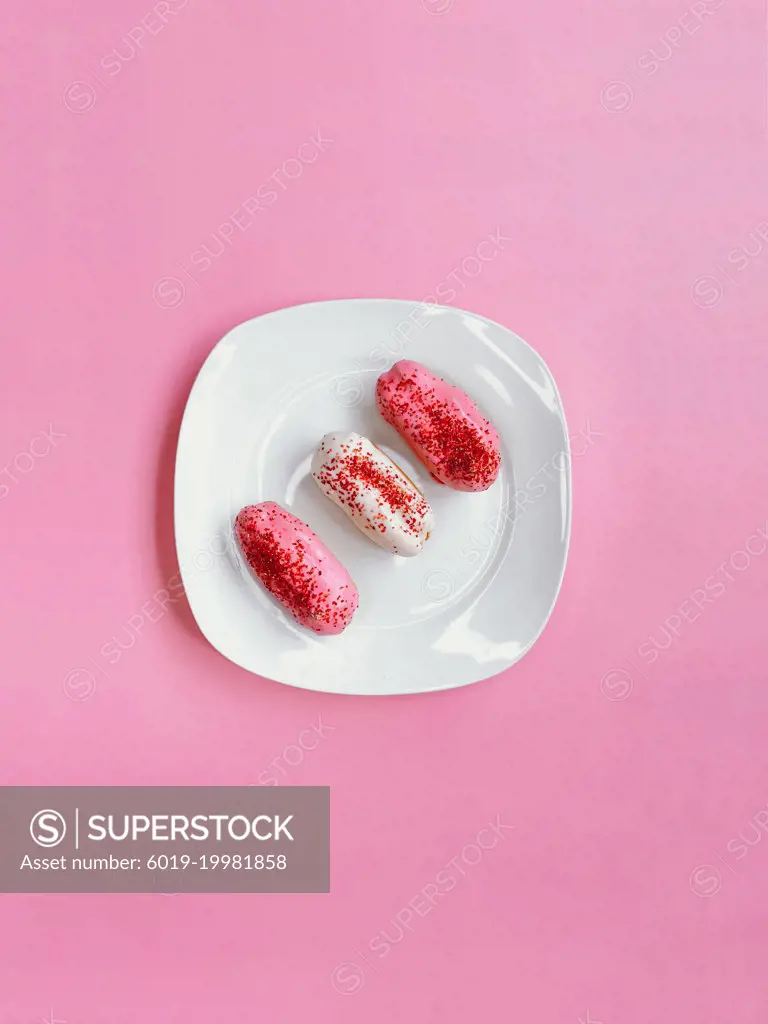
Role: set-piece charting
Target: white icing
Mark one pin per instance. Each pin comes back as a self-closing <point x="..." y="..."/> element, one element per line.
<point x="336" y="467"/>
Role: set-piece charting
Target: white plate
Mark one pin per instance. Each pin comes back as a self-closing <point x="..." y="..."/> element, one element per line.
<point x="475" y="600"/>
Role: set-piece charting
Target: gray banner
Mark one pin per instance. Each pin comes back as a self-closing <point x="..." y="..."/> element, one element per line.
<point x="169" y="839"/>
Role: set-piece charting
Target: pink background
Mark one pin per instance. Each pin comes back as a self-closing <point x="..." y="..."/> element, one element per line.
<point x="628" y="748"/>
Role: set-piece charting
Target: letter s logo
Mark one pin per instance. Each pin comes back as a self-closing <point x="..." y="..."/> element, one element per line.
<point x="48" y="828"/>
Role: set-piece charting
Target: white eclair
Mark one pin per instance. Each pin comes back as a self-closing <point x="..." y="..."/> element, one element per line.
<point x="373" y="491"/>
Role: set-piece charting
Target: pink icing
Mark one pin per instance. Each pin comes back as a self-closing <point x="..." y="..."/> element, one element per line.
<point x="297" y="568"/>
<point x="442" y="424"/>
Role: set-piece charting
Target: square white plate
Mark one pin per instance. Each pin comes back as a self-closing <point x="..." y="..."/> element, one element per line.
<point x="478" y="596"/>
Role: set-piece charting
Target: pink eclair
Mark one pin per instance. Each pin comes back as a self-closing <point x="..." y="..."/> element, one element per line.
<point x="297" y="568"/>
<point x="442" y="425"/>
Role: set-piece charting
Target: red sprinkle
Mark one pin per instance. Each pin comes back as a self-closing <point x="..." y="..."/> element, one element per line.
<point x="349" y="473"/>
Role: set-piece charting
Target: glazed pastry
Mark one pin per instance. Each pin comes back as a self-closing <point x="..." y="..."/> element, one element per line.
<point x="442" y="424"/>
<point x="378" y="497"/>
<point x="296" y="568"/>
